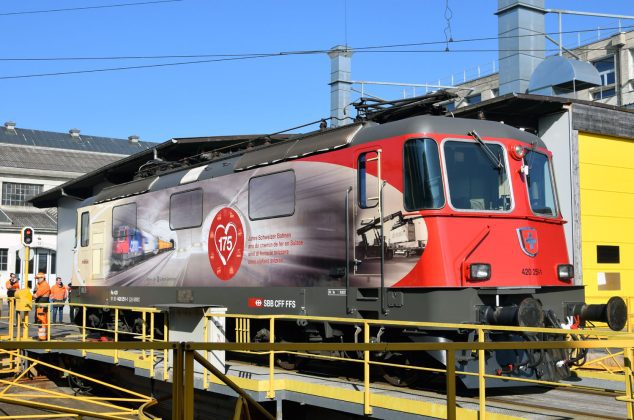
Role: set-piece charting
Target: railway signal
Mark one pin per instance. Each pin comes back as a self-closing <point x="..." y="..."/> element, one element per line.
<point x="27" y="236"/>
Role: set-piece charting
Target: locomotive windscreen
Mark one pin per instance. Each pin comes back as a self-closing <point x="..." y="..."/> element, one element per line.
<point x="475" y="183"/>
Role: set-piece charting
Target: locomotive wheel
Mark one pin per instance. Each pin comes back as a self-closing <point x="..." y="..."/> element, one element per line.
<point x="397" y="376"/>
<point x="288" y="361"/>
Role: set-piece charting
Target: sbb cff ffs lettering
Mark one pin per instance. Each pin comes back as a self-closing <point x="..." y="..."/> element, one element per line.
<point x="27" y="236"/>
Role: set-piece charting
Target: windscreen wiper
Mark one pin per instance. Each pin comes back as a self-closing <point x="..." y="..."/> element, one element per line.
<point x="497" y="162"/>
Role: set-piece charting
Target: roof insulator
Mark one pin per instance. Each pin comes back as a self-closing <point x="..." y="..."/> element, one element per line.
<point x="9" y="125"/>
<point x="74" y="132"/>
<point x="133" y="139"/>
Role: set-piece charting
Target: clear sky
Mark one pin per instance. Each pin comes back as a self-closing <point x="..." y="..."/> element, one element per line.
<point x="260" y="95"/>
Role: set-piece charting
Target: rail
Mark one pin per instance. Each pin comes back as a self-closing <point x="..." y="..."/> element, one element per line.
<point x="184" y="354"/>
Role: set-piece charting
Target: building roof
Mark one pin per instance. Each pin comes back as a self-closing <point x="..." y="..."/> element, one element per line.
<point x="524" y="110"/>
<point x="27" y="137"/>
<point x="49" y="159"/>
<point x="15" y="217"/>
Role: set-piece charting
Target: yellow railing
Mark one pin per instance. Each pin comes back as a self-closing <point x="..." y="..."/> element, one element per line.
<point x="186" y="353"/>
<point x="184" y="356"/>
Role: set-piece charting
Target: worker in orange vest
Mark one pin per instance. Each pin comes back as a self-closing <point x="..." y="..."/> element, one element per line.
<point x="58" y="298"/>
<point x="42" y="292"/>
<point x="12" y="285"/>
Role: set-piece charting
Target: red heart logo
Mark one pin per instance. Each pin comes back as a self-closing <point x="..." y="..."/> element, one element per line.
<point x="225" y="240"/>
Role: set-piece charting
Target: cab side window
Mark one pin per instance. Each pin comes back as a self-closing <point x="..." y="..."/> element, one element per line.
<point x="85" y="229"/>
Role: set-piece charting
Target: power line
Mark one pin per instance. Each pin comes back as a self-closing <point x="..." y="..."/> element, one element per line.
<point x="248" y="57"/>
<point x="304" y="52"/>
<point x="33" y="12"/>
<point x="235" y="57"/>
<point x="62" y="73"/>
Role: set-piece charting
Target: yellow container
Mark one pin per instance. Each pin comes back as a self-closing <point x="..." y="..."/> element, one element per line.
<point x="23" y="300"/>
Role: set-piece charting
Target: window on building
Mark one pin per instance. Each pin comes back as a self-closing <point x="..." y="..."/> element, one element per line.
<point x="473" y="99"/>
<point x="42" y="262"/>
<point x="603" y="93"/>
<point x="4" y="259"/>
<point x="605" y="67"/>
<point x="272" y="195"/>
<point x="608" y="254"/>
<point x="16" y="194"/>
<point x="186" y="209"/>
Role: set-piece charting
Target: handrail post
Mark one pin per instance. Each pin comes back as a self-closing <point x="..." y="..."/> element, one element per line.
<point x="367" y="408"/>
<point x="188" y="385"/>
<point x="347" y="253"/>
<point x="206" y="340"/>
<point x="25" y="324"/>
<point x="83" y="328"/>
<point x="627" y="355"/>
<point x="177" y="381"/>
<point x="116" y="334"/>
<point x="144" y="330"/>
<point x="451" y="384"/>
<point x="481" y="379"/>
<point x="271" y="392"/>
<point x="165" y="352"/>
<point x="12" y="318"/>
<point x="48" y="322"/>
<point x="629" y="314"/>
<point x="152" y="341"/>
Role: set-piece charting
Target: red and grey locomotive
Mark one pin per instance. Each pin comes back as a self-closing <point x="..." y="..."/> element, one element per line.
<point x="426" y="218"/>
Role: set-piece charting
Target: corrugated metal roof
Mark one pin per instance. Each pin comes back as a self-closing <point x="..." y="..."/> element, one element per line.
<point x="26" y="137"/>
<point x="52" y="159"/>
<point x="37" y="219"/>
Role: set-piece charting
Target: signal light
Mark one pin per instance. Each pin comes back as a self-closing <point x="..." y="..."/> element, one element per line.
<point x="27" y="236"/>
<point x="517" y="151"/>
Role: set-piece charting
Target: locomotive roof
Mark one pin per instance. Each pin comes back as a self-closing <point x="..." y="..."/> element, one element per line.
<point x="445" y="125"/>
<point x="121" y="175"/>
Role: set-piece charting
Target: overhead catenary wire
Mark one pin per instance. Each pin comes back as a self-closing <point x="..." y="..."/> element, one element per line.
<point x="236" y="57"/>
<point x="316" y="51"/>
<point x="72" y="9"/>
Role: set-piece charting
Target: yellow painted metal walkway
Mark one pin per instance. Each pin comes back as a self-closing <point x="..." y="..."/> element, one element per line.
<point x="174" y="363"/>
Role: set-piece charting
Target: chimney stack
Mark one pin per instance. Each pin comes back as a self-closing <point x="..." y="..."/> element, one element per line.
<point x="340" y="84"/>
<point x="74" y="132"/>
<point x="521" y="42"/>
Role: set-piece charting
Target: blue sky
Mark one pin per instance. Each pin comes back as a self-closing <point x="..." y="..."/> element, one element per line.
<point x="234" y="97"/>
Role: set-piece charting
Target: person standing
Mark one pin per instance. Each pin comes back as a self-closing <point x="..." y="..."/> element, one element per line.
<point x="12" y="285"/>
<point x="42" y="292"/>
<point x="72" y="309"/>
<point x="58" y="299"/>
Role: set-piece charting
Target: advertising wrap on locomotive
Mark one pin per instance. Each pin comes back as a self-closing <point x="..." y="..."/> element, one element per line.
<point x="426" y="218"/>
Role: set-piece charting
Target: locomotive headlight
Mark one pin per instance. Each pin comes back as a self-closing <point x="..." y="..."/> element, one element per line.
<point x="517" y="151"/>
<point x="479" y="271"/>
<point x="565" y="272"/>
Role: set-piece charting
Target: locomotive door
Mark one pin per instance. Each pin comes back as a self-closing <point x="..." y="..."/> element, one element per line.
<point x="368" y="240"/>
<point x="97" y="237"/>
